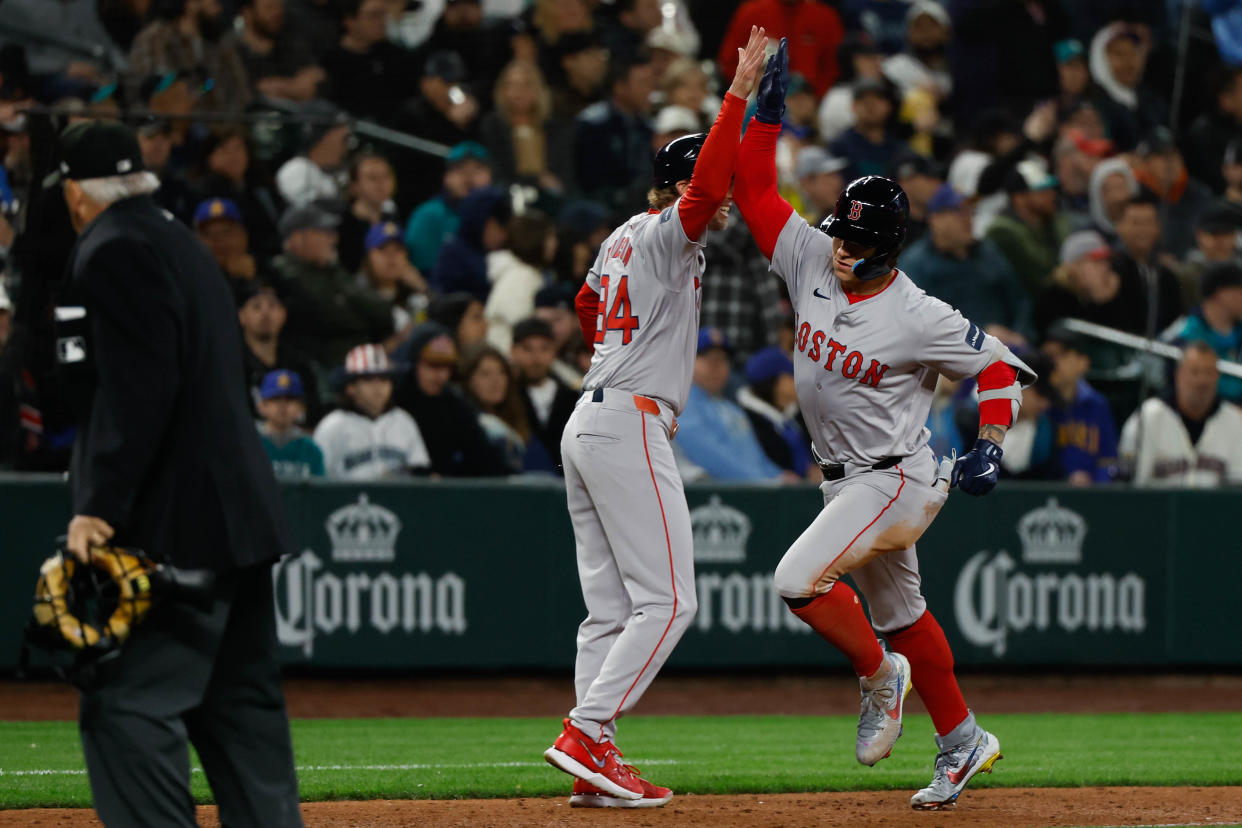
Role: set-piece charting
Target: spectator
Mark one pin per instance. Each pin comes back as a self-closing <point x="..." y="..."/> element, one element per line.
<point x="58" y="69"/>
<point x="814" y="30"/>
<point x="820" y="181"/>
<point x="685" y="84"/>
<point x="318" y="22"/>
<point x="612" y="139"/>
<point x="1111" y="186"/>
<point x="294" y="455"/>
<point x="771" y="403"/>
<point x="920" y="177"/>
<point x="1160" y="170"/>
<point x="923" y="65"/>
<point x="436" y="220"/>
<point x="367" y="75"/>
<point x="489" y="384"/>
<point x="1029" y="451"/>
<point x="1192" y="438"/>
<point x="1205" y="142"/>
<point x="462" y="315"/>
<point x="443" y="111"/>
<point x="625" y="34"/>
<point x="1084" y="436"/>
<point x="319" y="173"/>
<point x="547" y="400"/>
<point x="949" y="408"/>
<point x="367" y="438"/>
<point x="882" y="22"/>
<point x="1216" y="242"/>
<point x="870" y="143"/>
<point x="155" y="140"/>
<point x="717" y="439"/>
<point x="741" y="298"/>
<point x="462" y="263"/>
<point x="517" y="273"/>
<point x="672" y="123"/>
<point x="450" y="427"/>
<point x="527" y="142"/>
<point x="188" y="35"/>
<point x="1075" y="157"/>
<point x="554" y="304"/>
<point x="218" y="225"/>
<point x="386" y="270"/>
<point x="279" y="64"/>
<point x="372" y="185"/>
<point x="262" y="316"/>
<point x="581" y="67"/>
<point x="1086" y="286"/>
<point x="1139" y="262"/>
<point x="857" y="58"/>
<point x="1073" y="76"/>
<point x="1030" y="232"/>
<point x="329" y="313"/>
<point x="970" y="275"/>
<point x="801" y="109"/>
<point x="227" y="173"/>
<point x="1118" y="60"/>
<point x="1217" y="321"/>
<point x="581" y="228"/>
<point x="463" y="28"/>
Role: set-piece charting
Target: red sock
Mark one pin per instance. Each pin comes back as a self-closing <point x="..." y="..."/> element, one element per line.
<point x="931" y="666"/>
<point x="839" y="619"/>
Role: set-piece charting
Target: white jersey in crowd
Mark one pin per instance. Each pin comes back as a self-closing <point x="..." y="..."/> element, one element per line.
<point x="649" y="279"/>
<point x="356" y="447"/>
<point x="1167" y="457"/>
<point x="866" y="372"/>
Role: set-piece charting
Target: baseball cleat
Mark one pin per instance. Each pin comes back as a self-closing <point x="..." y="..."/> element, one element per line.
<point x="956" y="764"/>
<point x="598" y="763"/>
<point x="587" y="795"/>
<point x="879" y="721"/>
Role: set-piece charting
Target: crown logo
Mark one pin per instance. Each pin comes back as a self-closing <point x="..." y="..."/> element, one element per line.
<point x="720" y="532"/>
<point x="363" y="531"/>
<point x="1052" y="534"/>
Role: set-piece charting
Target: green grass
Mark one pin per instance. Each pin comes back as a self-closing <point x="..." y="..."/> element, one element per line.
<point x="449" y="758"/>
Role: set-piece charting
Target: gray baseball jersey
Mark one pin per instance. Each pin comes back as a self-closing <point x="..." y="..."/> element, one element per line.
<point x="866" y="372"/>
<point x="649" y="279"/>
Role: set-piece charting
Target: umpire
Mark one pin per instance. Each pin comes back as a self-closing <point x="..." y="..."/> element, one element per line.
<point x="168" y="460"/>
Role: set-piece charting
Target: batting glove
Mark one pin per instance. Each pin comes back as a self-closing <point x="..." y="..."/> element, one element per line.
<point x="770" y="101"/>
<point x="976" y="471"/>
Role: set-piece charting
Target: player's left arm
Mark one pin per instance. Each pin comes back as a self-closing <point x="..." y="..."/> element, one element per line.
<point x="713" y="171"/>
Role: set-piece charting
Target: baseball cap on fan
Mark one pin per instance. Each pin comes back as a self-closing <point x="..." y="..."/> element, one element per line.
<point x="96" y="149"/>
<point x="1084" y="244"/>
<point x="1029" y="175"/>
<point x="283" y="384"/>
<point x="713" y="338"/>
<point x="814" y="160"/>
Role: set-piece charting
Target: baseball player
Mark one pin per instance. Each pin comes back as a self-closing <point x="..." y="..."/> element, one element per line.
<point x="639" y="310"/>
<point x="869" y="349"/>
<point x="368" y="438"/>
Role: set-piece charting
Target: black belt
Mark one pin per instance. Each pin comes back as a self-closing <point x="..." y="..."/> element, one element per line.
<point x="835" y="471"/>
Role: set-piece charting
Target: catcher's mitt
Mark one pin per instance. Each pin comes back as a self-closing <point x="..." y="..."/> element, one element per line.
<point x="84" y="612"/>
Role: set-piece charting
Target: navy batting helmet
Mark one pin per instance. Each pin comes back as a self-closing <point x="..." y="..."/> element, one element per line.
<point x="872" y="211"/>
<point x="675" y="160"/>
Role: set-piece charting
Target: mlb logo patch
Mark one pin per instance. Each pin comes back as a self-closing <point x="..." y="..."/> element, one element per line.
<point x="974" y="337"/>
<point x="71" y="349"/>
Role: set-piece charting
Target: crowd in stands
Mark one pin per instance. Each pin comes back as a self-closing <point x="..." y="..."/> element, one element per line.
<point x="407" y="305"/>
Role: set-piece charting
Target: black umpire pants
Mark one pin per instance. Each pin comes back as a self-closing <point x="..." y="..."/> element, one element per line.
<point x="207" y="676"/>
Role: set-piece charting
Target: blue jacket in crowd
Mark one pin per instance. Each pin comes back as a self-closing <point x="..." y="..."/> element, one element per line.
<point x="1085" y="436"/>
<point x="1227" y="346"/>
<point x="716" y="435"/>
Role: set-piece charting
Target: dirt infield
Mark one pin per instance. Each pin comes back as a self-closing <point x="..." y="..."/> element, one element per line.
<point x="1011" y="808"/>
<point x="822" y="695"/>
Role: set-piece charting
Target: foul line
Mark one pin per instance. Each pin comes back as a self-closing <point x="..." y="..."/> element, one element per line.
<point x="301" y="768"/>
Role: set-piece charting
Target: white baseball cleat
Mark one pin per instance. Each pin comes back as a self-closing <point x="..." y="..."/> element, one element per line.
<point x="879" y="720"/>
<point x="960" y="758"/>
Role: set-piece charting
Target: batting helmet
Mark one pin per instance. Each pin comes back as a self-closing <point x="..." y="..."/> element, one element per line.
<point x="675" y="160"/>
<point x="872" y="211"/>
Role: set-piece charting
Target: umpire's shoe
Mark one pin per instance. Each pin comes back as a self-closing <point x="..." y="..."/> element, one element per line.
<point x="968" y="750"/>
<point x="879" y="721"/>
<point x="598" y="763"/>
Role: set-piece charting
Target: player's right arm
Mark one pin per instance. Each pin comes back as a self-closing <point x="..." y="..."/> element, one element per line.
<point x="754" y="187"/>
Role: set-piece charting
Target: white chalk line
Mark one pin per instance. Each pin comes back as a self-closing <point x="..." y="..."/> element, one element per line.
<point x="334" y="768"/>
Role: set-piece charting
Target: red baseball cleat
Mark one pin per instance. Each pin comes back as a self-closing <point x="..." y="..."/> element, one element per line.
<point x="587" y="795"/>
<point x="598" y="763"/>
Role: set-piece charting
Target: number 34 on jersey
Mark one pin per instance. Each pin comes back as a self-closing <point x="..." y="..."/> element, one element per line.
<point x="616" y="313"/>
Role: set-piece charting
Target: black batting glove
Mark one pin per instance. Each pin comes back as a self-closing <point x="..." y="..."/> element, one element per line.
<point x="976" y="471"/>
<point x="770" y="102"/>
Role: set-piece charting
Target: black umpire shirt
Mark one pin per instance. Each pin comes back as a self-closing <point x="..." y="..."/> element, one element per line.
<point x="166" y="451"/>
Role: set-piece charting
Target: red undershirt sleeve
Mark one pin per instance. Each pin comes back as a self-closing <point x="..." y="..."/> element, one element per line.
<point x="998" y="411"/>
<point x="586" y="303"/>
<point x="713" y="170"/>
<point x="754" y="186"/>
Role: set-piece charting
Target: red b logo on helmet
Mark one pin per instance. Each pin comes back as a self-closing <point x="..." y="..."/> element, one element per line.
<point x="855" y="210"/>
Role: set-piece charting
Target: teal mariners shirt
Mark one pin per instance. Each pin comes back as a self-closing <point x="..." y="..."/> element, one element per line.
<point x="295" y="458"/>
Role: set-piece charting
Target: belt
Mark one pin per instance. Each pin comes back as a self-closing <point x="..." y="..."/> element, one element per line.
<point x="644" y="404"/>
<point x="835" y="471"/>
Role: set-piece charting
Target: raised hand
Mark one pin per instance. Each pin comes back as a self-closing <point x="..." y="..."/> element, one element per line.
<point x="770" y="104"/>
<point x="748" y="62"/>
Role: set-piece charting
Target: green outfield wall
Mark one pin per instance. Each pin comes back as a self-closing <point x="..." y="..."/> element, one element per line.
<point x="482" y="575"/>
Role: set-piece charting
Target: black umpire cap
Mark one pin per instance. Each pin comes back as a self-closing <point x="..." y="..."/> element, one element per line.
<point x="97" y="149"/>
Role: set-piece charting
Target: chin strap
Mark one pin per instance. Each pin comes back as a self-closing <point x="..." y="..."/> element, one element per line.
<point x="867" y="269"/>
